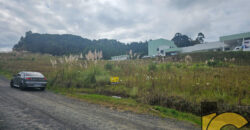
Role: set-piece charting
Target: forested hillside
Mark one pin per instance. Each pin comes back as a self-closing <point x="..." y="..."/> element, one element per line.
<point x="56" y="44"/>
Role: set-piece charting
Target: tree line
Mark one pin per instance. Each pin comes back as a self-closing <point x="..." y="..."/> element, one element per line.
<point x="66" y="44"/>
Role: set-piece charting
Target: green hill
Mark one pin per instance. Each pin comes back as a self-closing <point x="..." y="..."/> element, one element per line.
<point x="56" y="44"/>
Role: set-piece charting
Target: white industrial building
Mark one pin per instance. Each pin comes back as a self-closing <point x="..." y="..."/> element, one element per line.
<point x="208" y="46"/>
<point x="235" y="42"/>
<point x="121" y="57"/>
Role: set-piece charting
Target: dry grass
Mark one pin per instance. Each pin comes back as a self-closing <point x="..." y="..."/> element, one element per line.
<point x="181" y="85"/>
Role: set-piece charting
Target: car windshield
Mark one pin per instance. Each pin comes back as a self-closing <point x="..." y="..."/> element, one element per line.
<point x="33" y="74"/>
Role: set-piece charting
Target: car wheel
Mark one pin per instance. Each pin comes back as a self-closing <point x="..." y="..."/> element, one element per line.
<point x="22" y="87"/>
<point x="11" y="84"/>
<point x="42" y="89"/>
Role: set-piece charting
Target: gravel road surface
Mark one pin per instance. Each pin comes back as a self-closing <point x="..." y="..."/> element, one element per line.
<point x="33" y="109"/>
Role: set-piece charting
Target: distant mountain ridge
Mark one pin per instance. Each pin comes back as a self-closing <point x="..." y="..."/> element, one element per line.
<point x="64" y="44"/>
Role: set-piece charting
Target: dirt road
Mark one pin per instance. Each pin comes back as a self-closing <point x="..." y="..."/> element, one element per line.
<point x="45" y="110"/>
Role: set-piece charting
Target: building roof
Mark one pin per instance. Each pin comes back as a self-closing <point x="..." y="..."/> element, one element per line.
<point x="204" y="46"/>
<point x="235" y="36"/>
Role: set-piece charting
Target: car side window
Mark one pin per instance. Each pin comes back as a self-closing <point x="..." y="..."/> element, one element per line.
<point x="22" y="75"/>
<point x="18" y="75"/>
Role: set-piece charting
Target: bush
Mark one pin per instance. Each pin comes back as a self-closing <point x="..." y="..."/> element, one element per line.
<point x="90" y="78"/>
<point x="102" y="80"/>
<point x="108" y="66"/>
<point x="152" y="67"/>
<point x="168" y="66"/>
<point x="97" y="77"/>
<point x="180" y="65"/>
<point x="216" y="64"/>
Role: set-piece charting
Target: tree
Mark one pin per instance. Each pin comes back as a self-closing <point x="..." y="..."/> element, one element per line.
<point x="182" y="40"/>
<point x="200" y="37"/>
<point x="28" y="33"/>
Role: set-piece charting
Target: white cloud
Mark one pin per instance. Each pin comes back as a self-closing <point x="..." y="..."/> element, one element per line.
<point x="5" y="49"/>
<point x="124" y="20"/>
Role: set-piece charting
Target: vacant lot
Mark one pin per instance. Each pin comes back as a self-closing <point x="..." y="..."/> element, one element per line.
<point x="179" y="82"/>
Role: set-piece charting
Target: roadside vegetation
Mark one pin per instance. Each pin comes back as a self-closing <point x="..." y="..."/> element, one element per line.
<point x="172" y="86"/>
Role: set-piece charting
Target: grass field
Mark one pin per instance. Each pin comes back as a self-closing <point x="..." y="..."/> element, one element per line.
<point x="165" y="84"/>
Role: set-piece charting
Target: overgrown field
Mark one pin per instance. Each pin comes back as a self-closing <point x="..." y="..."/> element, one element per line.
<point x="180" y="82"/>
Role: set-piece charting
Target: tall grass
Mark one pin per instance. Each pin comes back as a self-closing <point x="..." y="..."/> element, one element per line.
<point x="180" y="84"/>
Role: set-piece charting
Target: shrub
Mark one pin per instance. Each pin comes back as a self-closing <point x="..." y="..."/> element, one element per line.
<point x="178" y="65"/>
<point x="133" y="92"/>
<point x="216" y="63"/>
<point x="168" y="66"/>
<point x="108" y="66"/>
<point x="152" y="67"/>
<point x="91" y="78"/>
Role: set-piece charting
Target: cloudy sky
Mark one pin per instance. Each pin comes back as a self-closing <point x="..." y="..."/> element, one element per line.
<point x="124" y="20"/>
